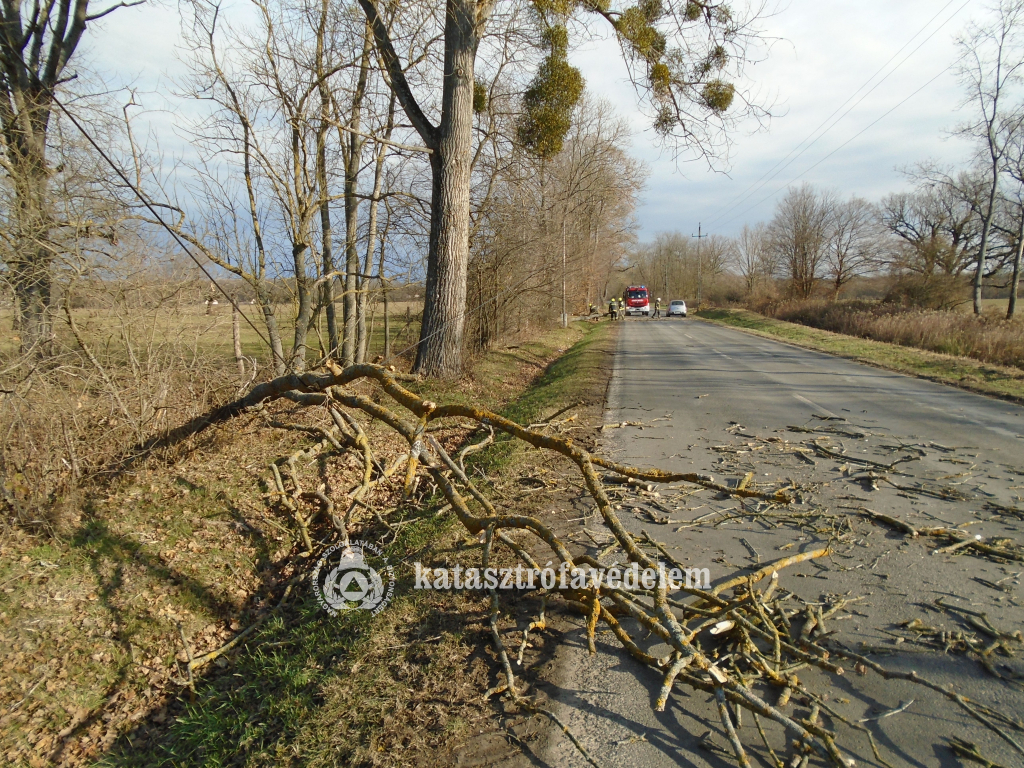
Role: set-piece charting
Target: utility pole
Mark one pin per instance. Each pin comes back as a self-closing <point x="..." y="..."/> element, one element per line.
<point x="565" y="317"/>
<point x="700" y="276"/>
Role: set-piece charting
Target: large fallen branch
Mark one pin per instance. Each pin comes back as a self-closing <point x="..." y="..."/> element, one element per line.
<point x="734" y="642"/>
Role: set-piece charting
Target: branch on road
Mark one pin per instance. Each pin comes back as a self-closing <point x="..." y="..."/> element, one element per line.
<point x="738" y="642"/>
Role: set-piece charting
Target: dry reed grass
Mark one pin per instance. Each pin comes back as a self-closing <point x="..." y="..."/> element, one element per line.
<point x="985" y="338"/>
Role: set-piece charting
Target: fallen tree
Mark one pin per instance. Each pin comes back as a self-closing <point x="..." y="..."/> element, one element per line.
<point x="739" y="642"/>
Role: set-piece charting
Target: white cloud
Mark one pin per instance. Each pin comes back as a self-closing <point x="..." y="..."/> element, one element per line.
<point x="828" y="49"/>
<point x="827" y="52"/>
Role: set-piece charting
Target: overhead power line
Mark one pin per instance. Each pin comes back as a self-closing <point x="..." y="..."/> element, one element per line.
<point x="826" y="157"/>
<point x="812" y="139"/>
<point x="145" y="201"/>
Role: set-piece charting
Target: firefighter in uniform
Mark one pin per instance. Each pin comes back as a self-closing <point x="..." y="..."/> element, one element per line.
<point x="657" y="307"/>
<point x="611" y="309"/>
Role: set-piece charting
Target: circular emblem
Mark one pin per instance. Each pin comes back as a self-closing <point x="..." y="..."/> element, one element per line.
<point x="343" y="580"/>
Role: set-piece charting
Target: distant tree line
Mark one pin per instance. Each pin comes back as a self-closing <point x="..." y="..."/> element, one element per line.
<point x="955" y="227"/>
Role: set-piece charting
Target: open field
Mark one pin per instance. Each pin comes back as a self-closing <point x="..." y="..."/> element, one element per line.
<point x="987" y="378"/>
<point x="994" y="308"/>
<point x="188" y="550"/>
<point x="189" y="326"/>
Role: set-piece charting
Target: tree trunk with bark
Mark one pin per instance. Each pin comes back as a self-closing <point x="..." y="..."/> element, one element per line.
<point x="986" y="230"/>
<point x="440" y="349"/>
<point x="387" y="321"/>
<point x="304" y="306"/>
<point x="265" y="302"/>
<point x="326" y="234"/>
<point x="362" y="337"/>
<point x="36" y="47"/>
<point x="353" y="158"/>
<point x="327" y="258"/>
<point x="32" y="263"/>
<point x="439" y="352"/>
<point x="1018" y="251"/>
<point x="236" y="337"/>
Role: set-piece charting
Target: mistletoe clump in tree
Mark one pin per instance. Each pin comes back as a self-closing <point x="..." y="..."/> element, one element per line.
<point x="549" y="101"/>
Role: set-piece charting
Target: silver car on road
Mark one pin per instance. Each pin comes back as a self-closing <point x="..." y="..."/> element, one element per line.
<point x="677" y="308"/>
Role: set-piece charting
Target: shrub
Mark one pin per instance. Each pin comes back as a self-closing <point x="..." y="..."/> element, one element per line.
<point x="928" y="292"/>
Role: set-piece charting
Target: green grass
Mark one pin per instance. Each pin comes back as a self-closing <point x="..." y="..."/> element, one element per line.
<point x="96" y="610"/>
<point x="996" y="380"/>
<point x="268" y="705"/>
<point x="318" y="690"/>
<point x="565" y="381"/>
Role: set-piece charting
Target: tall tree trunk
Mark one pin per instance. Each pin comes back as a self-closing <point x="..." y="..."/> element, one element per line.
<point x="439" y="352"/>
<point x="371" y="234"/>
<point x="387" y="312"/>
<point x="986" y="229"/>
<point x="32" y="265"/>
<point x="370" y="323"/>
<point x="352" y="161"/>
<point x="32" y="290"/>
<point x="304" y="307"/>
<point x="265" y="302"/>
<point x="441" y="335"/>
<point x="264" y="297"/>
<point x="38" y="43"/>
<point x="327" y="291"/>
<point x="300" y="235"/>
<point x="1011" y="305"/>
<point x="236" y="337"/>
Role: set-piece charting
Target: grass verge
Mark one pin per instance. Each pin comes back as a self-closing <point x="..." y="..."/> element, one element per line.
<point x="985" y="378"/>
<point x="90" y="623"/>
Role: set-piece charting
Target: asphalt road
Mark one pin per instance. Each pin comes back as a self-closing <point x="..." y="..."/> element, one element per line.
<point x="699" y="397"/>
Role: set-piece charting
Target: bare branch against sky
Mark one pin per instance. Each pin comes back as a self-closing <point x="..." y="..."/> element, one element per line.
<point x="882" y="67"/>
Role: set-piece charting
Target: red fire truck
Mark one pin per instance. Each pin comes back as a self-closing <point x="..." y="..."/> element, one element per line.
<point x="637" y="300"/>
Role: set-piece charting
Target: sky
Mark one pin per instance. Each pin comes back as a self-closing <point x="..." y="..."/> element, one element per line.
<point x="824" y="58"/>
<point x="825" y="51"/>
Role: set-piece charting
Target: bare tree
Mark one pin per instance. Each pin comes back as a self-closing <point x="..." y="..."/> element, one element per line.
<point x="35" y="52"/>
<point x="321" y="69"/>
<point x="675" y="264"/>
<point x="352" y="152"/>
<point x="852" y="241"/>
<point x="751" y="256"/>
<point x="1014" y="203"/>
<point x="938" y="228"/>
<point x="259" y="118"/>
<point x="799" y="236"/>
<point x="667" y="265"/>
<point x="292" y="117"/>
<point x="990" y="68"/>
<point x="684" y="54"/>
<point x="715" y="254"/>
<point x="516" y="267"/>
